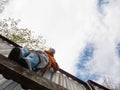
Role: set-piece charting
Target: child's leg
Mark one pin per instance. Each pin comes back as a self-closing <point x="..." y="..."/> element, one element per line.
<point x="25" y="52"/>
<point x="15" y="54"/>
<point x="32" y="60"/>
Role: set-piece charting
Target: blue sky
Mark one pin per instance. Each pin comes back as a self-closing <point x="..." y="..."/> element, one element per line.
<point x="118" y="49"/>
<point x="85" y="56"/>
<point x="84" y="33"/>
<point x="101" y="4"/>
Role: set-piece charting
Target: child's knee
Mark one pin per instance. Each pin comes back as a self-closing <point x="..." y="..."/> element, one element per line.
<point x="25" y="52"/>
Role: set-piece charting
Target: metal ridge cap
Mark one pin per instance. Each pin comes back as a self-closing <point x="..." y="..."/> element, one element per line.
<point x="91" y="83"/>
<point x="9" y="41"/>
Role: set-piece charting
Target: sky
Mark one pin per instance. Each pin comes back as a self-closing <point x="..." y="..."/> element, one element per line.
<point x="84" y="33"/>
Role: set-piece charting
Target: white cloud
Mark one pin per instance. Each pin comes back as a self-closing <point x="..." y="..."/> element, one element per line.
<point x="106" y="62"/>
<point x="68" y="24"/>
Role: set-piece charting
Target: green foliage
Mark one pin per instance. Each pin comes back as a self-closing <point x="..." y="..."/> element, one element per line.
<point x="24" y="37"/>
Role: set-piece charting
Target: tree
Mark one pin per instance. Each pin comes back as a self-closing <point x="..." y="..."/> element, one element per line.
<point x="109" y="83"/>
<point x="22" y="36"/>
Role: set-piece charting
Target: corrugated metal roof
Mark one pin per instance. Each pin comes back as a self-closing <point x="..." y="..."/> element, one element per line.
<point x="5" y="84"/>
<point x="61" y="77"/>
